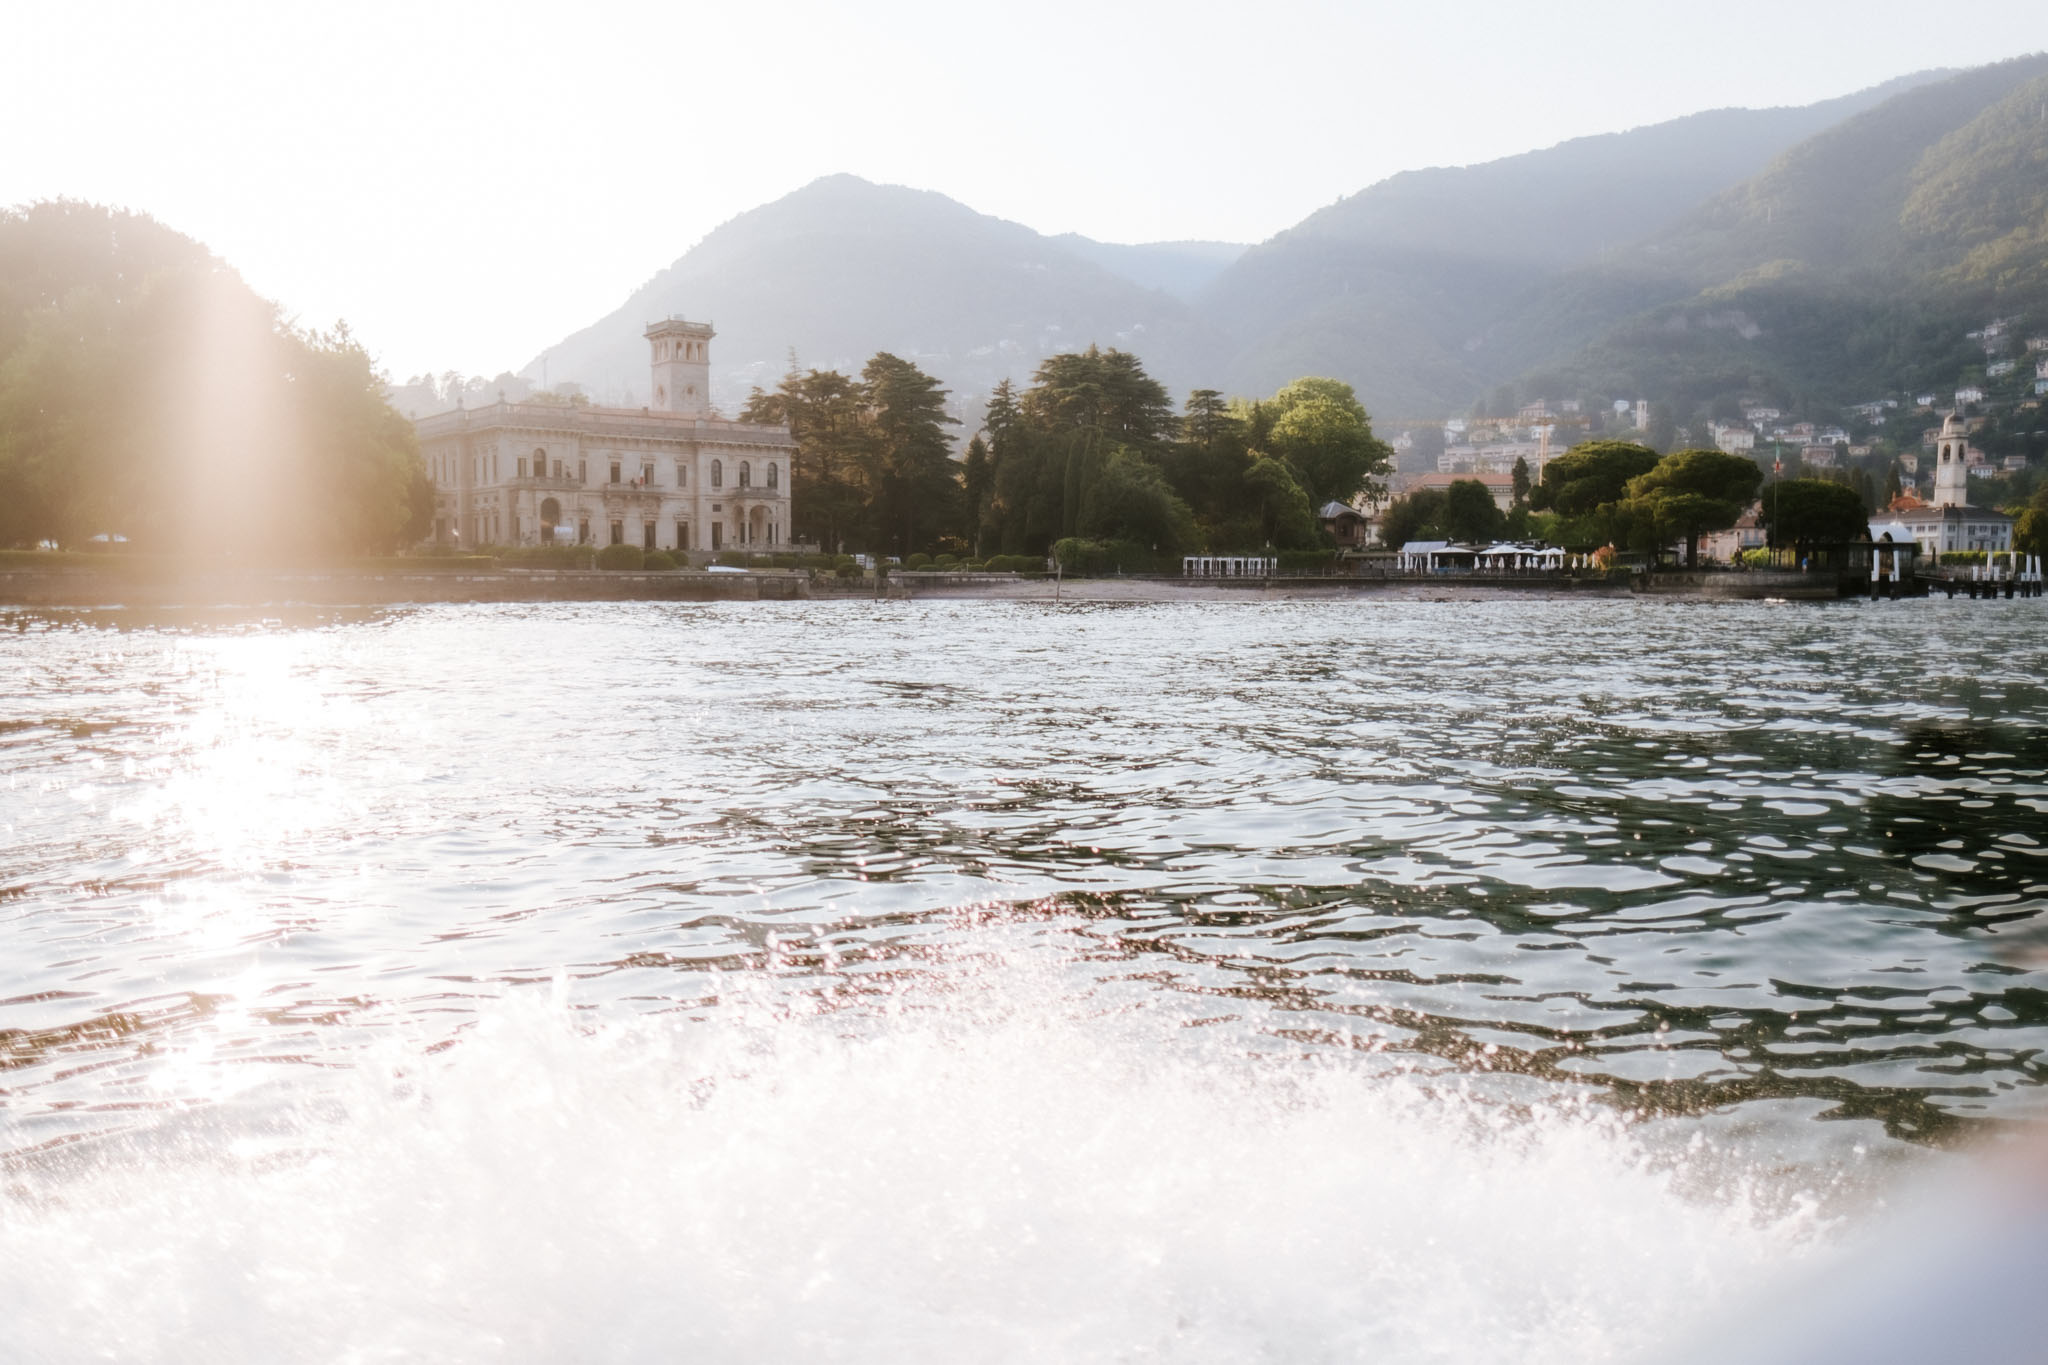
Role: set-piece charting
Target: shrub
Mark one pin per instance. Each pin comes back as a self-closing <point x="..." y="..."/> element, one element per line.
<point x="1015" y="563"/>
<point x="620" y="557"/>
<point x="845" y="562"/>
<point x="548" y="556"/>
<point x="946" y="562"/>
<point x="1962" y="557"/>
<point x="1078" y="556"/>
<point x="660" y="559"/>
<point x="783" y="561"/>
<point x="730" y="559"/>
<point x="918" y="562"/>
<point x="1307" y="559"/>
<point x="848" y="570"/>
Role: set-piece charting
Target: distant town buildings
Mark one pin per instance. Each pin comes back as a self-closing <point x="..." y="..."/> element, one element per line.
<point x="1502" y="486"/>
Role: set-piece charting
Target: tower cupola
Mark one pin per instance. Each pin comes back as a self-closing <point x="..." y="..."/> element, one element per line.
<point x="681" y="360"/>
<point x="1951" y="463"/>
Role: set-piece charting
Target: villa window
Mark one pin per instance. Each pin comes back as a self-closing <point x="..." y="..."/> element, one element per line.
<point x="522" y="466"/>
<point x="746" y="474"/>
<point x="682" y="475"/>
<point x="682" y="535"/>
<point x="718" y="473"/>
<point x="618" y="533"/>
<point x="615" y="473"/>
<point x="772" y="483"/>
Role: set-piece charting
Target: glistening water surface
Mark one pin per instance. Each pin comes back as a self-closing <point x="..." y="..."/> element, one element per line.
<point x="1250" y="980"/>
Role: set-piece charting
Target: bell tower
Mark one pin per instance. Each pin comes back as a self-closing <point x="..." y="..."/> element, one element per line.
<point x="682" y="366"/>
<point x="1951" y="468"/>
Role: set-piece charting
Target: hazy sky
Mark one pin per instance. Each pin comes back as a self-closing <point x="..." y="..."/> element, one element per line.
<point x="467" y="183"/>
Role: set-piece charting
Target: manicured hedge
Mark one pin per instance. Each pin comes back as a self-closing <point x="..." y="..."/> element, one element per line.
<point x="621" y="557"/>
<point x="548" y="556"/>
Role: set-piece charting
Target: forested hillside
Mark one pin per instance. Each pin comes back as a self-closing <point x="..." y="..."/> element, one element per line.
<point x="1851" y="268"/>
<point x="842" y="268"/>
<point x="1403" y="290"/>
<point x="1409" y="289"/>
<point x="148" y="397"/>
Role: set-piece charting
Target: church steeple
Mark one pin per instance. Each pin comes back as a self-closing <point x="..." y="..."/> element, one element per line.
<point x="1951" y="467"/>
<point x="681" y="357"/>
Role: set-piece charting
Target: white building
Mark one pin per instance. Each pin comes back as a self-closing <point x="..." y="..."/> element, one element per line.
<point x="1734" y="440"/>
<point x="668" y="477"/>
<point x="1969" y="394"/>
<point x="1949" y="522"/>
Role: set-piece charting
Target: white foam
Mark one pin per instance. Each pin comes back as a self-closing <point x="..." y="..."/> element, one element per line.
<point x="978" y="1177"/>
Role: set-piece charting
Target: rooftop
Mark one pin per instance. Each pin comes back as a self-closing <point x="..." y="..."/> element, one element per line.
<point x="595" y="421"/>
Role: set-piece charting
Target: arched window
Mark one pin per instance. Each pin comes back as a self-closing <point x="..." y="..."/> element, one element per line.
<point x="746" y="475"/>
<point x="772" y="475"/>
<point x="718" y="473"/>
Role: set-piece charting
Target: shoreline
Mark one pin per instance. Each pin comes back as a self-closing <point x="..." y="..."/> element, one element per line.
<point x="87" y="587"/>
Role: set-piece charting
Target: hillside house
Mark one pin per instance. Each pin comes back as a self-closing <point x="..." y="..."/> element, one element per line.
<point x="1757" y="416"/>
<point x="1909" y="463"/>
<point x="1833" y="436"/>
<point x="1733" y="439"/>
<point x="1999" y="369"/>
<point x="1817" y="457"/>
<point x="1747" y="534"/>
<point x="1348" y="526"/>
<point x="1969" y="394"/>
<point x="2037" y="343"/>
<point x="1924" y="400"/>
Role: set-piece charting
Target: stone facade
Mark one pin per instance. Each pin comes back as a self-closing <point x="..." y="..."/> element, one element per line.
<point x="668" y="477"/>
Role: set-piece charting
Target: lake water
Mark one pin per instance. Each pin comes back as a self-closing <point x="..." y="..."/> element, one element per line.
<point x="1300" y="981"/>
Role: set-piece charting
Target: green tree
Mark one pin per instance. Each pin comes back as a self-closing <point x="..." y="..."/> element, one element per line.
<point x="145" y="390"/>
<point x="1285" y="518"/>
<point x="978" y="476"/>
<point x="1686" y="495"/>
<point x="1320" y="428"/>
<point x="1470" y="513"/>
<point x="1208" y="467"/>
<point x="1102" y="391"/>
<point x="1419" y="516"/>
<point x="1590" y="476"/>
<point x="908" y="463"/>
<point x="1130" y="500"/>
<point x="2030" y="529"/>
<point x="1521" y="481"/>
<point x="1804" y="514"/>
<point x="826" y="412"/>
